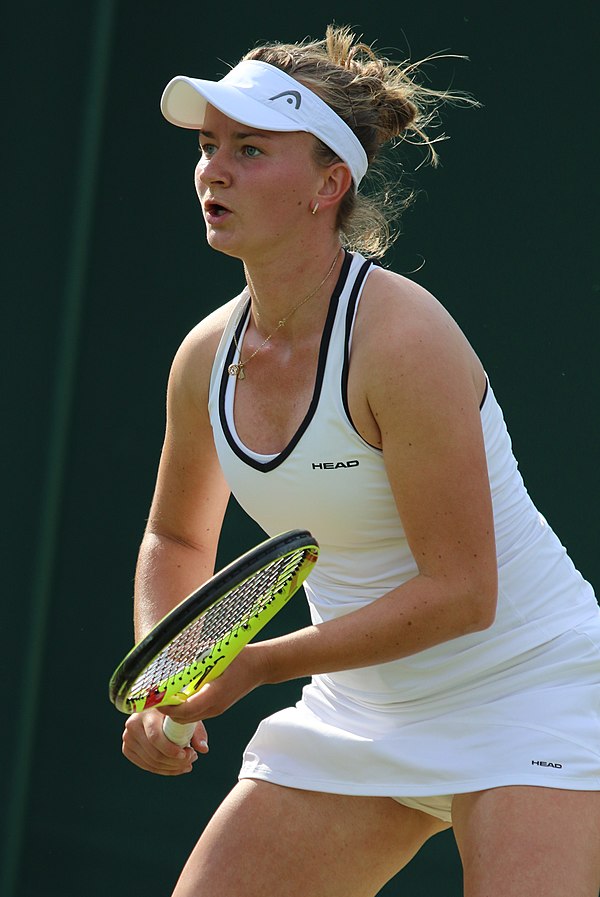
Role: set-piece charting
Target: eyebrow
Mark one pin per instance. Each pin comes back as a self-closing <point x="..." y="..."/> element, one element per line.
<point x="238" y="135"/>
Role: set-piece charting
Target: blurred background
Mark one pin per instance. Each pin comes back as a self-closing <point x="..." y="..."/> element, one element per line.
<point x="106" y="269"/>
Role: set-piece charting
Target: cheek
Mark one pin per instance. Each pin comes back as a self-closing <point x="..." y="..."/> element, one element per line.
<point x="198" y="179"/>
<point x="287" y="202"/>
<point x="301" y="183"/>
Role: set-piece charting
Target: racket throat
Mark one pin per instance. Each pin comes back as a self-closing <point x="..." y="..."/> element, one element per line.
<point x="197" y="683"/>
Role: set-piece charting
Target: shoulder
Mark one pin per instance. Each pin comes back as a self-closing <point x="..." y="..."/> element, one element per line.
<point x="415" y="315"/>
<point x="405" y="337"/>
<point x="202" y="341"/>
<point x="192" y="365"/>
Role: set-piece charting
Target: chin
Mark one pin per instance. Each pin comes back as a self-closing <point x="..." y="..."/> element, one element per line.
<point x="221" y="243"/>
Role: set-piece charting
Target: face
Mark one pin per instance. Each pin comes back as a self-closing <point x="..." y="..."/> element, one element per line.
<point x="254" y="186"/>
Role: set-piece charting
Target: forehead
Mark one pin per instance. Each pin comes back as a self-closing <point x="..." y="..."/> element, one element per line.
<point x="217" y="123"/>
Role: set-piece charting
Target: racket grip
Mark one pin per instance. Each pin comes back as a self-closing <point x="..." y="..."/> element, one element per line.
<point x="178" y="733"/>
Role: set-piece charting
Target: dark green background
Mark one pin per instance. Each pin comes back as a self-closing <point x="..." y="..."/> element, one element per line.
<point x="105" y="271"/>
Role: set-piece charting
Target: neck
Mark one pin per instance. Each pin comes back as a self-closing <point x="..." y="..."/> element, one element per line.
<point x="280" y="288"/>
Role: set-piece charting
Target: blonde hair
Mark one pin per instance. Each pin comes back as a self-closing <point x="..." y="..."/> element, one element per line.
<point x="381" y="101"/>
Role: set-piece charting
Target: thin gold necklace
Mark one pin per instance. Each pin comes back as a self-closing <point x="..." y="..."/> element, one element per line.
<point x="237" y="370"/>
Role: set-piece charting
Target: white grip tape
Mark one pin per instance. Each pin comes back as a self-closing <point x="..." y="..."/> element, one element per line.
<point x="178" y="733"/>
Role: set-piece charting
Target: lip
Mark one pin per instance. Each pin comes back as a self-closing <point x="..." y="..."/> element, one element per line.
<point x="215" y="212"/>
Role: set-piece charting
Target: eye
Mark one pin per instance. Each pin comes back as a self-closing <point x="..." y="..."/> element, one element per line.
<point x="207" y="149"/>
<point x="252" y="152"/>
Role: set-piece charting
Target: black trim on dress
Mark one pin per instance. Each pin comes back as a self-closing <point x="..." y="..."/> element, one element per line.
<point x="485" y="393"/>
<point x="266" y="466"/>
<point x="350" y="311"/>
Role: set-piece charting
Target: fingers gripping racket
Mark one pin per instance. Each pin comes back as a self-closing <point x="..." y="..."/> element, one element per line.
<point x="200" y="637"/>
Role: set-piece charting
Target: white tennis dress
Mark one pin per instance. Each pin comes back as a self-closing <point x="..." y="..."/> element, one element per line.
<point x="518" y="703"/>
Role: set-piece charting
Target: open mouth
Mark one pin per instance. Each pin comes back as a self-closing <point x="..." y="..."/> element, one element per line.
<point x="215" y="209"/>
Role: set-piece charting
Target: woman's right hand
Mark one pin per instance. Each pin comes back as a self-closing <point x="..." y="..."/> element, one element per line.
<point x="145" y="745"/>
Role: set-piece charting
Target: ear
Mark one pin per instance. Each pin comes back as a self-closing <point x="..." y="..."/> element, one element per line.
<point x="337" y="180"/>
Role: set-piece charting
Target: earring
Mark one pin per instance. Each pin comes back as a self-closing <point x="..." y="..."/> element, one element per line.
<point x="315" y="208"/>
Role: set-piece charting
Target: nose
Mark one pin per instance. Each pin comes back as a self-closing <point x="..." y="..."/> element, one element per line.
<point x="213" y="170"/>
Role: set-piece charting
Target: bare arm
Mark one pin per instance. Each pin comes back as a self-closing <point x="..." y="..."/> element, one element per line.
<point x="179" y="546"/>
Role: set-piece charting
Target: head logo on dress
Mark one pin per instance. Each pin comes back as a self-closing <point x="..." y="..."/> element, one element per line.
<point x="293" y="96"/>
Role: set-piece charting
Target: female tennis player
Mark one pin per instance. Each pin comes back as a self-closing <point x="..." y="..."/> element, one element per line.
<point x="454" y="651"/>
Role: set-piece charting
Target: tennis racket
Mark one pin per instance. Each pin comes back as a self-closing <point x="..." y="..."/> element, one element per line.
<point x="200" y="637"/>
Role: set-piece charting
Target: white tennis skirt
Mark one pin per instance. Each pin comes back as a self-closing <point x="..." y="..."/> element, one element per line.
<point x="534" y="721"/>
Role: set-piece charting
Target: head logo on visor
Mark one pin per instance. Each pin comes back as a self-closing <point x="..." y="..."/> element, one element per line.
<point x="293" y="96"/>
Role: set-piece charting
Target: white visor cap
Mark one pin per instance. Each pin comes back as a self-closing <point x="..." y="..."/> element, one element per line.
<point x="262" y="96"/>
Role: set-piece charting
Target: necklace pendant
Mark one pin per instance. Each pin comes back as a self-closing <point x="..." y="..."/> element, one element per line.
<point x="237" y="371"/>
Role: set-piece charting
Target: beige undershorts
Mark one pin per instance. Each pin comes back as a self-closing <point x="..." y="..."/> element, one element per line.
<point x="440" y="807"/>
